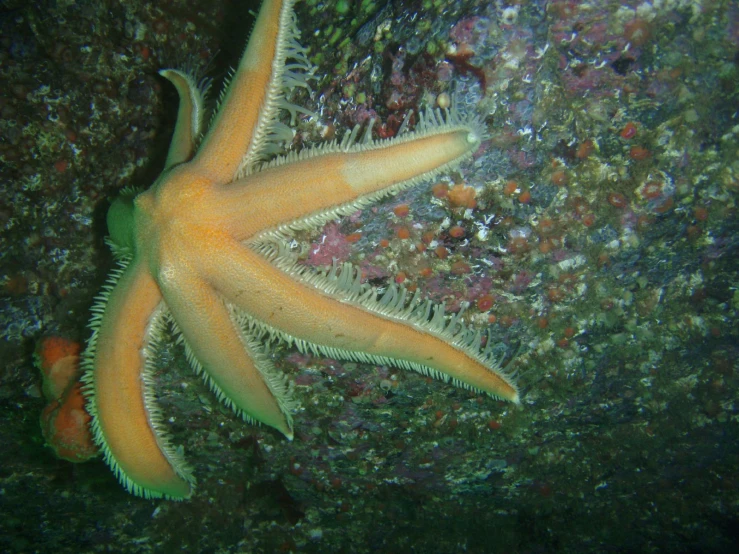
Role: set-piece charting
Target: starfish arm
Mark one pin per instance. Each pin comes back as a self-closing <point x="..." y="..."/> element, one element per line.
<point x="234" y="365"/>
<point x="297" y="311"/>
<point x="189" y="117"/>
<point x="125" y="419"/>
<point x="251" y="100"/>
<point x="332" y="181"/>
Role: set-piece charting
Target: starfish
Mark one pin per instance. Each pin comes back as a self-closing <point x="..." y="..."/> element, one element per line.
<point x="205" y="250"/>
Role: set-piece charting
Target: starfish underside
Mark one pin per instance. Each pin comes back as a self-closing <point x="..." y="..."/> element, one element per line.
<point x="204" y="250"/>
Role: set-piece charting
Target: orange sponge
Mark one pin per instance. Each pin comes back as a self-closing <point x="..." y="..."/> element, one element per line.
<point x="66" y="426"/>
<point x="65" y="423"/>
<point x="58" y="360"/>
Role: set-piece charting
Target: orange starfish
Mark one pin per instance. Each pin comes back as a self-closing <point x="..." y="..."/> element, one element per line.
<point x="205" y="248"/>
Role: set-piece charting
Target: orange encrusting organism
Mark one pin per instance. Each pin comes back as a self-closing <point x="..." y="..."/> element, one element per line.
<point x="57" y="376"/>
<point x="461" y="196"/>
<point x="65" y="424"/>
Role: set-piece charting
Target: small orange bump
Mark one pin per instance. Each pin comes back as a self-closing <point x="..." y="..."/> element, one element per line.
<point x="441" y="252"/>
<point x="456" y="232"/>
<point x="542" y="323"/>
<point x="524" y="197"/>
<point x="652" y="190"/>
<point x="580" y="205"/>
<point x="328" y="131"/>
<point x="518" y="245"/>
<point x="427" y="237"/>
<point x="588" y="220"/>
<point x="461" y="196"/>
<point x="639" y="153"/>
<point x="440" y="190"/>
<point x="510" y="188"/>
<point x="460" y="268"/>
<point x="629" y="131"/>
<point x="485" y="302"/>
<point x="402" y="233"/>
<point x="546" y="226"/>
<point x="401" y="210"/>
<point x="617" y="200"/>
<point x="559" y="178"/>
<point x="506" y="321"/>
<point x="400" y="277"/>
<point x="354" y="237"/>
<point x="384" y="243"/>
<point x="425" y="272"/>
<point x="569" y="332"/>
<point x="643" y="222"/>
<point x="585" y="149"/>
<point x="555" y="294"/>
